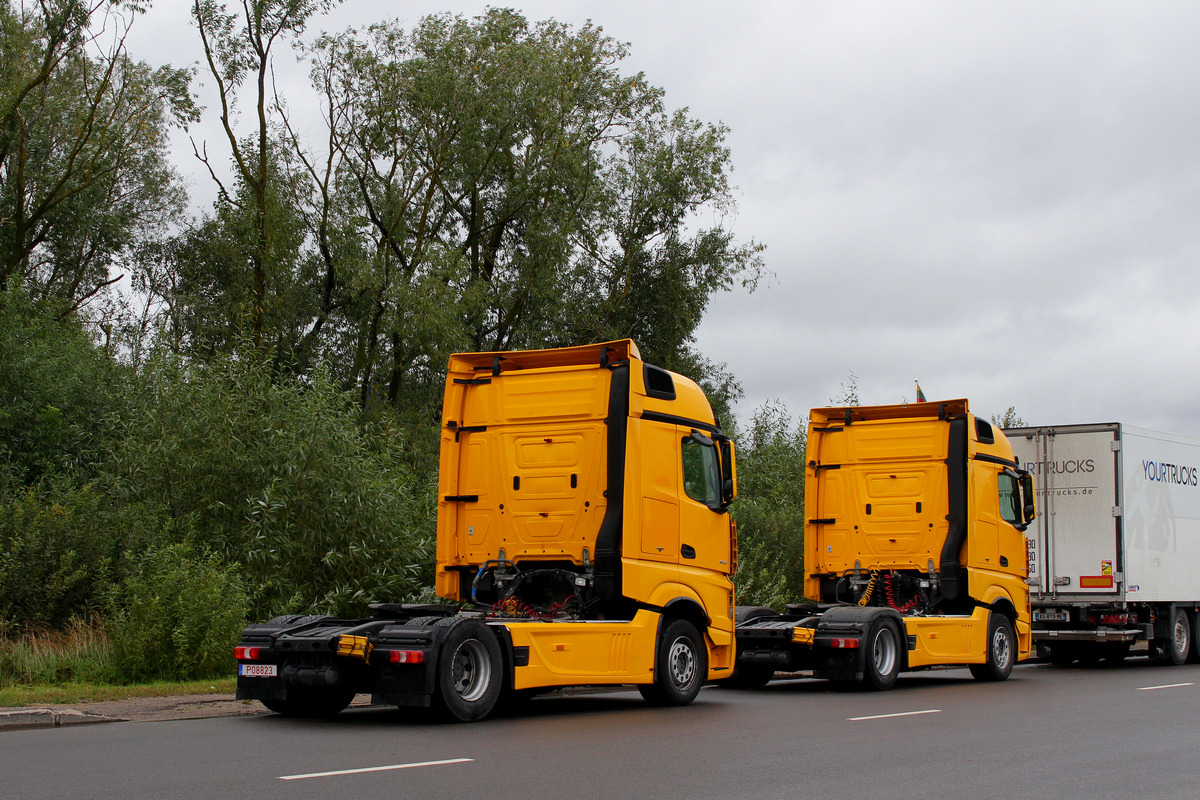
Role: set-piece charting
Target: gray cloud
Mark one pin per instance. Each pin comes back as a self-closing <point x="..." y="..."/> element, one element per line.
<point x="998" y="200"/>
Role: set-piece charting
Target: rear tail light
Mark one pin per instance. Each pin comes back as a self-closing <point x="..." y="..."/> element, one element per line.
<point x="844" y="644"/>
<point x="1114" y="619"/>
<point x="406" y="656"/>
<point x="245" y="653"/>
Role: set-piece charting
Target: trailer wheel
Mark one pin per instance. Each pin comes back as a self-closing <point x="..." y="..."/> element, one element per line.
<point x="1174" y="650"/>
<point x="1001" y="650"/>
<point x="680" y="668"/>
<point x="883" y="656"/>
<point x="469" y="672"/>
<point x="312" y="702"/>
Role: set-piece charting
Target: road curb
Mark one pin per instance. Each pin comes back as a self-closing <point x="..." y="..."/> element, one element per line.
<point x="30" y="718"/>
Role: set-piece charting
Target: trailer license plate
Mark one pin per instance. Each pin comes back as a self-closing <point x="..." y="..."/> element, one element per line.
<point x="258" y="670"/>
<point x="1051" y="615"/>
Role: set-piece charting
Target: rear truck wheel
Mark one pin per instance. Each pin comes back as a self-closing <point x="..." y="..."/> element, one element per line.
<point x="469" y="676"/>
<point x="882" y="657"/>
<point x="1174" y="649"/>
<point x="312" y="702"/>
<point x="680" y="666"/>
<point x="1001" y="650"/>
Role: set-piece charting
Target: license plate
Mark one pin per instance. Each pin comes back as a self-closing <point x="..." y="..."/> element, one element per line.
<point x="1051" y="615"/>
<point x="258" y="670"/>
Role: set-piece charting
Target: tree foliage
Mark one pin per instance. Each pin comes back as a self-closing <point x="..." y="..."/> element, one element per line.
<point x="770" y="508"/>
<point x="1009" y="419"/>
<point x="484" y="184"/>
<point x="84" y="171"/>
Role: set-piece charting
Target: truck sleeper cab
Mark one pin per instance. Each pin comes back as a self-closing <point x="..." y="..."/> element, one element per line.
<point x="914" y="553"/>
<point x="583" y="538"/>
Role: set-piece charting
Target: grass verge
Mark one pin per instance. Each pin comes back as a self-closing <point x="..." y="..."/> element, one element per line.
<point x="21" y="696"/>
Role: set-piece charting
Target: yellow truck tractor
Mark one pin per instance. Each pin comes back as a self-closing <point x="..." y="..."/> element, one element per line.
<point x="914" y="551"/>
<point x="583" y="537"/>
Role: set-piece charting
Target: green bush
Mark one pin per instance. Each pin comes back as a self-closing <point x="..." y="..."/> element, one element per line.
<point x="58" y="390"/>
<point x="278" y="476"/>
<point x="62" y="548"/>
<point x="178" y="617"/>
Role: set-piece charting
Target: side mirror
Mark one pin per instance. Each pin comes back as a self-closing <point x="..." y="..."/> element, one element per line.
<point x="1029" y="509"/>
<point x="728" y="472"/>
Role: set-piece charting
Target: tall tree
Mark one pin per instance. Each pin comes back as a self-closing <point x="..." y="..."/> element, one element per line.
<point x="237" y="49"/>
<point x="84" y="173"/>
<point x="514" y="189"/>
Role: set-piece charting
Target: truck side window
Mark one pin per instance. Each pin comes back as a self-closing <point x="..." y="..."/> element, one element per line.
<point x="701" y="473"/>
<point x="1010" y="498"/>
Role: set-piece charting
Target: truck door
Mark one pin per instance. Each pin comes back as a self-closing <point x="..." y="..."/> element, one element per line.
<point x="1074" y="544"/>
<point x="703" y="527"/>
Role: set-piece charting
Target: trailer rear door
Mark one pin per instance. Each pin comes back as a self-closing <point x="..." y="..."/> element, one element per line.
<point x="1075" y="545"/>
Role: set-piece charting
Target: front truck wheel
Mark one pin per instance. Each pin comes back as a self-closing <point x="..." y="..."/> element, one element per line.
<point x="312" y="702"/>
<point x="1174" y="650"/>
<point x="883" y="656"/>
<point x="469" y="674"/>
<point x="1001" y="650"/>
<point x="680" y="666"/>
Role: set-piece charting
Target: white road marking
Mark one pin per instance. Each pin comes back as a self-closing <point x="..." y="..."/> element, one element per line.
<point x="375" y="769"/>
<point x="901" y="714"/>
<point x="1164" y="686"/>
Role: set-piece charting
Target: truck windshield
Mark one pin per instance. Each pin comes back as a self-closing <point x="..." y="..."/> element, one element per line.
<point x="701" y="473"/>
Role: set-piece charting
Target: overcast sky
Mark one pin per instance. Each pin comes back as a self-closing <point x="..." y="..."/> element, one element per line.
<point x="1000" y="201"/>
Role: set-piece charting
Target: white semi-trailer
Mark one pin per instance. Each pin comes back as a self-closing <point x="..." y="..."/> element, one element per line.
<point x="1114" y="556"/>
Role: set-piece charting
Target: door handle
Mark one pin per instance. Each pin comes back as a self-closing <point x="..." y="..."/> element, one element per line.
<point x="687" y="551"/>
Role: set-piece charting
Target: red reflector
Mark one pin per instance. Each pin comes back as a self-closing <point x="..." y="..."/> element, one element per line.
<point x="1114" y="619"/>
<point x="406" y="656"/>
<point x="844" y="644"/>
<point x="245" y="653"/>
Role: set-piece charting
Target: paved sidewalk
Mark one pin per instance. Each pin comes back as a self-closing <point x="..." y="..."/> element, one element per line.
<point x="138" y="709"/>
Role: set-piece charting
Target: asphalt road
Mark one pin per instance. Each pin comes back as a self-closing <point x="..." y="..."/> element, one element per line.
<point x="1128" y="731"/>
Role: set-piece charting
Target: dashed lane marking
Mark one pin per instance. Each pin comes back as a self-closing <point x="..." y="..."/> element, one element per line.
<point x="1164" y="686"/>
<point x="374" y="769"/>
<point x="900" y="714"/>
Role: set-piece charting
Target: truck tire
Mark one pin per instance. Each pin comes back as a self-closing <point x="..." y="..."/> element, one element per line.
<point x="312" y="702"/>
<point x="680" y="666"/>
<point x="882" y="657"/>
<point x="469" y="674"/>
<point x="1174" y="650"/>
<point x="1001" y="650"/>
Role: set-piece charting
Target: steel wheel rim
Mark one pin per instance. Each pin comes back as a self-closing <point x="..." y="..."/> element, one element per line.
<point x="1001" y="648"/>
<point x="471" y="670"/>
<point x="681" y="661"/>
<point x="1181" y="637"/>
<point x="883" y="652"/>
